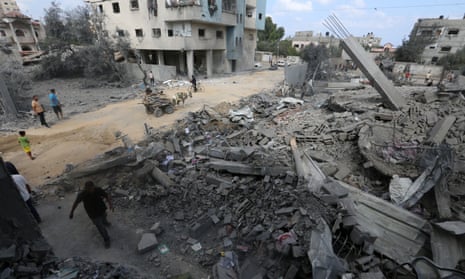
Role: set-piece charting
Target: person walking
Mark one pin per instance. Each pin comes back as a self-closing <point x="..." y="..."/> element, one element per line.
<point x="25" y="191"/>
<point x="25" y="144"/>
<point x="55" y="104"/>
<point x="38" y="109"/>
<point x="194" y="83"/>
<point x="92" y="197"/>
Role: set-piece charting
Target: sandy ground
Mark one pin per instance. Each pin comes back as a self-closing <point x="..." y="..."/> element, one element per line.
<point x="80" y="137"/>
<point x="83" y="135"/>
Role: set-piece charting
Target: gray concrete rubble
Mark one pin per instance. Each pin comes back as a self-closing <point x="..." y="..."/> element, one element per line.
<point x="261" y="190"/>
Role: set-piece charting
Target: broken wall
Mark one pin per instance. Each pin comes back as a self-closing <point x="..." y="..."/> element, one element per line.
<point x="160" y="72"/>
<point x="295" y="74"/>
<point x="418" y="72"/>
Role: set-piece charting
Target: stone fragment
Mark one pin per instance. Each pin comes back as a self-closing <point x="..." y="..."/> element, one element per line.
<point x="215" y="219"/>
<point x="342" y="172"/>
<point x="179" y="216"/>
<point x="291" y="272"/>
<point x="148" y="242"/>
<point x="156" y="229"/>
<point x="284" y="210"/>
<point x="7" y="254"/>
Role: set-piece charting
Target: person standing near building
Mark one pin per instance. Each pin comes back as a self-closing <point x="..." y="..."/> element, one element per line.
<point x="55" y="104"/>
<point x="25" y="191"/>
<point x="151" y="79"/>
<point x="194" y="83"/>
<point x="92" y="197"/>
<point x="25" y="144"/>
<point x="38" y="109"/>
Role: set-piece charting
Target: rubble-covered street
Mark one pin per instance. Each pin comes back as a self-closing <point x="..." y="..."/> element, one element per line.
<point x="270" y="189"/>
<point x="350" y="183"/>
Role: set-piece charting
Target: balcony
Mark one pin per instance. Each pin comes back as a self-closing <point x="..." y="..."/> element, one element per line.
<point x="250" y="23"/>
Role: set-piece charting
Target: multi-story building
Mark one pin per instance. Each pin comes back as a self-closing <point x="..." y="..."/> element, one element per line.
<point x="195" y="36"/>
<point x="19" y="30"/>
<point x="442" y="36"/>
<point x="304" y="38"/>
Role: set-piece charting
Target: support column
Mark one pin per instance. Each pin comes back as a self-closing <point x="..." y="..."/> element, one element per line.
<point x="182" y="63"/>
<point x="36" y="41"/>
<point x="227" y="63"/>
<point x="190" y="62"/>
<point x="13" y="33"/>
<point x="161" y="57"/>
<point x="209" y="63"/>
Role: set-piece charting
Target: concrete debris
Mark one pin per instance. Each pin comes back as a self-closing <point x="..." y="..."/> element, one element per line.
<point x="147" y="242"/>
<point x="261" y="190"/>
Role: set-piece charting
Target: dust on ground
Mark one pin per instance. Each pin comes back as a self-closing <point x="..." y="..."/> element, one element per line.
<point x="84" y="133"/>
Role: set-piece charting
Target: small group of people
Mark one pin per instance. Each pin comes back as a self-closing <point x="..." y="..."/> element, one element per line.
<point x="92" y="197"/>
<point x="38" y="109"/>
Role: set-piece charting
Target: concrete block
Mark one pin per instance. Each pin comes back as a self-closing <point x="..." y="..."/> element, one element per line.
<point x="298" y="251"/>
<point x="156" y="229"/>
<point x="7" y="254"/>
<point x="148" y="242"/>
<point x="342" y="172"/>
<point x="215" y="219"/>
<point x="285" y="210"/>
<point x="291" y="272"/>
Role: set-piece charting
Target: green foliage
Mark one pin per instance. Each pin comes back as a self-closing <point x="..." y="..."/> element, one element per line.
<point x="454" y="61"/>
<point x="411" y="50"/>
<point x="269" y="37"/>
<point x="314" y="56"/>
<point x="78" y="46"/>
<point x="286" y="48"/>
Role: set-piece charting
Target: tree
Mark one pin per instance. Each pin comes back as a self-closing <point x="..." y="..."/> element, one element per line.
<point x="269" y="38"/>
<point x="286" y="48"/>
<point x="314" y="56"/>
<point x="79" y="46"/>
<point x="412" y="49"/>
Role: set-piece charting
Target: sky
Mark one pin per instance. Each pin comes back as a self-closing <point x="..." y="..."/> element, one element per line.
<point x="391" y="20"/>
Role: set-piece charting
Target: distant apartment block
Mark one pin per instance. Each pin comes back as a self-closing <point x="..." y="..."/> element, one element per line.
<point x="444" y="36"/>
<point x="195" y="36"/>
<point x="302" y="39"/>
<point x="18" y="30"/>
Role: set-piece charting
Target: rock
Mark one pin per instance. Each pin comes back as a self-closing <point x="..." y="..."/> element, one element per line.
<point x="148" y="242"/>
<point x="7" y="254"/>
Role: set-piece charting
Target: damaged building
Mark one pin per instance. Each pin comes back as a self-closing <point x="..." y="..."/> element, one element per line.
<point x="19" y="31"/>
<point x="187" y="37"/>
<point x="443" y="36"/>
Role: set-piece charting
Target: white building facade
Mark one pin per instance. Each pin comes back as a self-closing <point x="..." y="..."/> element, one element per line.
<point x="195" y="36"/>
<point x="18" y="30"/>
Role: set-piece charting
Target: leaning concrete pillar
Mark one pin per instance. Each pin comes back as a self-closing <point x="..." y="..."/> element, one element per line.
<point x="36" y="41"/>
<point x="227" y="64"/>
<point x="13" y="34"/>
<point x="190" y="62"/>
<point x="209" y="63"/>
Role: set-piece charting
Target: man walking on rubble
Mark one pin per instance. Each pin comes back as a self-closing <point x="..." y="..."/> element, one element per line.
<point x="92" y="197"/>
<point x="55" y="104"/>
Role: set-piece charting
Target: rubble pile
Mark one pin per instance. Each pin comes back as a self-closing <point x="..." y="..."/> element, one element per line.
<point x="276" y="187"/>
<point x="36" y="260"/>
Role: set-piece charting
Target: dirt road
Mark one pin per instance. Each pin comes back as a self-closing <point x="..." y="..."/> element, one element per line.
<point x="81" y="137"/>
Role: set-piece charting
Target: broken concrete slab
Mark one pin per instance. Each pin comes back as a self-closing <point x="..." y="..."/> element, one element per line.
<point x="325" y="264"/>
<point x="307" y="168"/>
<point x="392" y="97"/>
<point x="161" y="177"/>
<point x="448" y="244"/>
<point x="400" y="234"/>
<point x="439" y="131"/>
<point x="240" y="168"/>
<point x="148" y="242"/>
